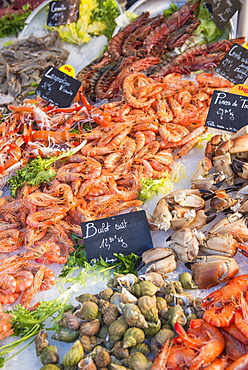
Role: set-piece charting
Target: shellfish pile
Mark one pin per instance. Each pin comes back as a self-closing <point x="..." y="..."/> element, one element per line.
<point x="122" y="326"/>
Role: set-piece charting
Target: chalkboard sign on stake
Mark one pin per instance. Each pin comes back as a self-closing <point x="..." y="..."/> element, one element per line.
<point x="126" y="233"/>
<point x="234" y="65"/>
<point x="57" y="87"/>
<point x="63" y="12"/>
<point x="222" y="10"/>
<point x="227" y="111"/>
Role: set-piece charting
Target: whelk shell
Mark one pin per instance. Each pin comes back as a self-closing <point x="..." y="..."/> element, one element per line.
<point x="133" y="316"/>
<point x="132" y="336"/>
<point x="90" y="328"/>
<point x="148" y="307"/>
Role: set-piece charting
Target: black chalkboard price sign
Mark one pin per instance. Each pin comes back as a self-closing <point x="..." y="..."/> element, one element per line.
<point x="126" y="233"/>
<point x="57" y="87"/>
<point x="222" y="10"/>
<point x="227" y="111"/>
<point x="234" y="65"/>
<point x="63" y="12"/>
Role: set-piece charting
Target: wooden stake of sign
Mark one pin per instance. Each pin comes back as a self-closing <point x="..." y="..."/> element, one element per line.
<point x="227" y="111"/>
<point x="126" y="233"/>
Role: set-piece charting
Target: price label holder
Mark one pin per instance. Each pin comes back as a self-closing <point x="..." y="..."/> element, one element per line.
<point x="222" y="10"/>
<point x="234" y="65"/>
<point x="63" y="12"/>
<point x="57" y="87"/>
<point x="126" y="233"/>
<point x="227" y="111"/>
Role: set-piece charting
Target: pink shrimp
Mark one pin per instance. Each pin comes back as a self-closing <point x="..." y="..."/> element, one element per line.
<point x="5" y="325"/>
<point x="23" y="279"/>
<point x="7" y="284"/>
<point x="46" y="217"/>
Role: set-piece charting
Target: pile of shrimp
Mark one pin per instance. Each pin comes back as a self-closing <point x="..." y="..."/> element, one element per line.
<point x="218" y="341"/>
<point x="138" y="137"/>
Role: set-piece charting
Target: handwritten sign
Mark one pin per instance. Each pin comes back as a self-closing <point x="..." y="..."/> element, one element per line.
<point x="57" y="87"/>
<point x="126" y="233"/>
<point x="222" y="10"/>
<point x="234" y="65"/>
<point x="63" y="12"/>
<point x="227" y="111"/>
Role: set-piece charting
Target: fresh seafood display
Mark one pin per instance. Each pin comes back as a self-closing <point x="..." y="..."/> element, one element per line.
<point x="22" y="65"/>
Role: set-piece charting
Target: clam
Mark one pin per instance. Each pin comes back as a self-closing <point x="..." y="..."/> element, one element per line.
<point x="117" y="328"/>
<point x="49" y="355"/>
<point x="148" y="307"/>
<point x="41" y="341"/>
<point x="90" y="328"/>
<point x="133" y="316"/>
<point x="132" y="336"/>
<point x="73" y="355"/>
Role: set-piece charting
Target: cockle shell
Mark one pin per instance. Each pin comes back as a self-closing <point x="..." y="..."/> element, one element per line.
<point x="136" y="361"/>
<point x="41" y="341"/>
<point x="74" y="355"/>
<point x="144" y="288"/>
<point x="90" y="327"/>
<point x="117" y="328"/>
<point x="132" y="336"/>
<point x="49" y="355"/>
<point x="119" y="351"/>
<point x="133" y="315"/>
<point x="89" y="311"/>
<point x="148" y="307"/>
<point x="87" y="363"/>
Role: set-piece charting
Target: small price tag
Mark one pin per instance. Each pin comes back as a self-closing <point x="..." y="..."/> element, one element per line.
<point x="234" y="65"/>
<point x="227" y="111"/>
<point x="222" y="10"/>
<point x="239" y="89"/>
<point x="57" y="87"/>
<point x="63" y="12"/>
<point x="67" y="69"/>
<point x="126" y="233"/>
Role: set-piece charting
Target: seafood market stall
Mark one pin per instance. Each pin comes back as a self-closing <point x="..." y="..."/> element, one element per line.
<point x="154" y="132"/>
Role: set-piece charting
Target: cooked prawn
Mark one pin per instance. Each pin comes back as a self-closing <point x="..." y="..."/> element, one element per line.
<point x="5" y="325"/>
<point x="220" y="317"/>
<point x="46" y="217"/>
<point x="7" y="284"/>
<point x="23" y="279"/>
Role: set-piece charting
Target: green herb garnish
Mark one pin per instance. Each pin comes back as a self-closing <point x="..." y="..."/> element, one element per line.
<point x="171" y="10"/>
<point x="12" y="24"/>
<point x="38" y="171"/>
